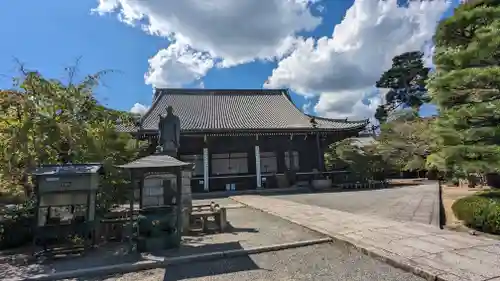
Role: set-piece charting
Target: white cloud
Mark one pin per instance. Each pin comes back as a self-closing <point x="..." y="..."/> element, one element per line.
<point x="227" y="31"/>
<point x="176" y="66"/>
<point x="139" y="109"/>
<point x="308" y="106"/>
<point x="428" y="54"/>
<point x="354" y="104"/>
<point x="342" y="69"/>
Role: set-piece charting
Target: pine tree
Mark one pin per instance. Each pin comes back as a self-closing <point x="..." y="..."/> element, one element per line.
<point x="466" y="89"/>
<point x="406" y="83"/>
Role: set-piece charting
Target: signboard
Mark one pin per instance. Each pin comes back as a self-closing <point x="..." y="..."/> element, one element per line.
<point x="65" y="184"/>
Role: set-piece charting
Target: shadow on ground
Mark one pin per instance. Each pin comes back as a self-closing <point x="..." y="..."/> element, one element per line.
<point x="23" y="265"/>
<point x="247" y="228"/>
<point x="228" y="265"/>
<point x="202" y="269"/>
<point x="442" y="211"/>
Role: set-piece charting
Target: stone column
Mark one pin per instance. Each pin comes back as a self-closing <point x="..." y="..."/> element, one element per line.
<point x="187" y="200"/>
<point x="257" y="167"/>
<point x="206" y="170"/>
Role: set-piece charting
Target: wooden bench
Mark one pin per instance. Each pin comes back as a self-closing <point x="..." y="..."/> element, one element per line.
<point x="201" y="215"/>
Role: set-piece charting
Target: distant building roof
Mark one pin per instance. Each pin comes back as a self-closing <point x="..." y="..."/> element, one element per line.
<point x="205" y="110"/>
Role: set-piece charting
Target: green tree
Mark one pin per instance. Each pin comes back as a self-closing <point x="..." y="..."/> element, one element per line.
<point x="405" y="143"/>
<point x="362" y="160"/>
<point x="402" y="145"/>
<point x="406" y="83"/>
<point x="47" y="121"/>
<point x="466" y="89"/>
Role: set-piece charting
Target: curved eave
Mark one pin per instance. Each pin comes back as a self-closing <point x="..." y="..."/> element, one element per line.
<point x="339" y="120"/>
<point x="354" y="128"/>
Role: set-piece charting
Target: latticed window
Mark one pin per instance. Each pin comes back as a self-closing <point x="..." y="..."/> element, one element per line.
<point x="230" y="163"/>
<point x="197" y="160"/>
<point x="268" y="162"/>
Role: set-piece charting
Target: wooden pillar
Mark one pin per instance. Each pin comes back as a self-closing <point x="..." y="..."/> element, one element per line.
<point x="256" y="162"/>
<point x="320" y="153"/>
<point x="258" y="172"/>
<point x="206" y="170"/>
<point x="140" y="185"/>
<point x="280" y="159"/>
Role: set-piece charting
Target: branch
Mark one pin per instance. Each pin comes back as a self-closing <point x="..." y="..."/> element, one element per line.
<point x="71" y="70"/>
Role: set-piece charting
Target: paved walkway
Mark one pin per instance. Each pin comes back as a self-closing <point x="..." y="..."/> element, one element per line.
<point x="422" y="249"/>
<point x="417" y="203"/>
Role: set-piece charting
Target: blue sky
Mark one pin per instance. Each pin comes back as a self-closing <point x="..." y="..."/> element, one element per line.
<point x="50" y="35"/>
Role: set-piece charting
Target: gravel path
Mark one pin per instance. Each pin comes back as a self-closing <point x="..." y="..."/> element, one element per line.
<point x="251" y="228"/>
<point x="320" y="262"/>
<point x="410" y="203"/>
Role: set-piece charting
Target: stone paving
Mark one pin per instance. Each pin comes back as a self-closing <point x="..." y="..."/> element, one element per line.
<point x="417" y="203"/>
<point x="422" y="249"/>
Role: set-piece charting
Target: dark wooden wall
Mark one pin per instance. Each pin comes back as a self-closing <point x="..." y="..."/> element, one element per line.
<point x="305" y="145"/>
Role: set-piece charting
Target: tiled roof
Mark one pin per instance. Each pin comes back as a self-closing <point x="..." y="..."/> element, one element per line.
<point x="66" y="169"/>
<point x="154" y="161"/>
<point x="328" y="123"/>
<point x="204" y="110"/>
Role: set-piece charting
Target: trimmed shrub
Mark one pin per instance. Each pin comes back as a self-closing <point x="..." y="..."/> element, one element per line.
<point x="492" y="219"/>
<point x="480" y="211"/>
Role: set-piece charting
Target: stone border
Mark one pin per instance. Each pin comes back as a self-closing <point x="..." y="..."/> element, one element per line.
<point x="364" y="185"/>
<point x="441" y="210"/>
<point x="227" y="194"/>
<point x="392" y="259"/>
<point x="151" y="264"/>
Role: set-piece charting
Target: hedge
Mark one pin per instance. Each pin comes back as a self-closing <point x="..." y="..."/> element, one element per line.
<point x="480" y="211"/>
<point x="16" y="225"/>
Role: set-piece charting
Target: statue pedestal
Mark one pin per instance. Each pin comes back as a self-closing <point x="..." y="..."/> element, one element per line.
<point x="170" y="152"/>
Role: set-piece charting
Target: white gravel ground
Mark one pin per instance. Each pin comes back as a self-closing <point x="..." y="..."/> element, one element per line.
<point x="251" y="228"/>
<point x="328" y="262"/>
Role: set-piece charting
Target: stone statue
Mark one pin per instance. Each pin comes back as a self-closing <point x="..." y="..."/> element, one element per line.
<point x="169" y="128"/>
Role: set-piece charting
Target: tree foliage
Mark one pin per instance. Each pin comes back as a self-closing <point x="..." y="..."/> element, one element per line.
<point x="405" y="143"/>
<point x="46" y="121"/>
<point x="466" y="89"/>
<point x="406" y="83"/>
<point x="402" y="145"/>
<point x="360" y="159"/>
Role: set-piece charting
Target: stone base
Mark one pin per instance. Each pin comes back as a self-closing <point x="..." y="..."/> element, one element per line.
<point x="186" y="220"/>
